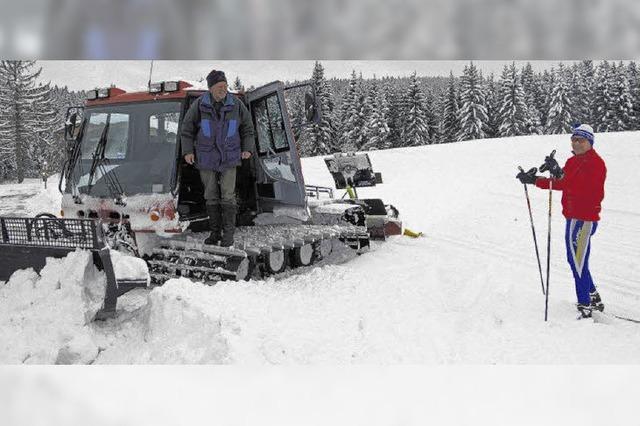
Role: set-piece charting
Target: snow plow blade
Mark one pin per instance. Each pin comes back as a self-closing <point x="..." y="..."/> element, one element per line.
<point x="27" y="242"/>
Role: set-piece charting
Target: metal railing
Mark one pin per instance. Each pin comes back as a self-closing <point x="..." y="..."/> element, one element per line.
<point x="315" y="191"/>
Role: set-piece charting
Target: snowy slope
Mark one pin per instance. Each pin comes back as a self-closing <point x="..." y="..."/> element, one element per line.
<point x="469" y="292"/>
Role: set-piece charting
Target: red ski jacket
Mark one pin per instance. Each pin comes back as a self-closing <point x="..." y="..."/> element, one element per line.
<point x="582" y="186"/>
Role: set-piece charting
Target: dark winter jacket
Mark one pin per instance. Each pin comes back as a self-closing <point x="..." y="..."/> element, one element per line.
<point x="217" y="134"/>
<point x="582" y="186"/>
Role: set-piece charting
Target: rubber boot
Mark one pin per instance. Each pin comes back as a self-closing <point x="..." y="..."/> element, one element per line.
<point x="228" y="224"/>
<point x="215" y="224"/>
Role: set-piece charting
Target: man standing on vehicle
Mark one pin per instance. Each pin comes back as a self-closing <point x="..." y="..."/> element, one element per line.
<point x="217" y="133"/>
<point x="582" y="184"/>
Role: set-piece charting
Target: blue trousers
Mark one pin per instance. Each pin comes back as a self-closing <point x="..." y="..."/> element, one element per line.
<point x="577" y="238"/>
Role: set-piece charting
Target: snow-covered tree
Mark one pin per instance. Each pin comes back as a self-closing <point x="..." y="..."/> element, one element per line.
<point x="473" y="111"/>
<point x="21" y="121"/>
<point x="559" y="117"/>
<point x="7" y="154"/>
<point x="376" y="128"/>
<point x="492" y="100"/>
<point x="634" y="87"/>
<point x="353" y="120"/>
<point x="513" y="110"/>
<point x="320" y="138"/>
<point x="237" y="85"/>
<point x="603" y="102"/>
<point x="546" y="82"/>
<point x="395" y="101"/>
<point x="432" y="108"/>
<point x="450" y="116"/>
<point x="622" y="100"/>
<point x="581" y="87"/>
<point x="532" y="99"/>
<point x="415" y="129"/>
<point x="45" y="151"/>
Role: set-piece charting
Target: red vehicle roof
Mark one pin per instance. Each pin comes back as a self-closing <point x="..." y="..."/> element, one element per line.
<point x="119" y="96"/>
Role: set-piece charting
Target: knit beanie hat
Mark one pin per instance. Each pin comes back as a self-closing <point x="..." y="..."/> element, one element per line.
<point x="584" y="131"/>
<point x="215" y="77"/>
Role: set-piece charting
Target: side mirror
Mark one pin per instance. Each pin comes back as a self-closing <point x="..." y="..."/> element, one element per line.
<point x="72" y="123"/>
<point x="310" y="108"/>
<point x="302" y="103"/>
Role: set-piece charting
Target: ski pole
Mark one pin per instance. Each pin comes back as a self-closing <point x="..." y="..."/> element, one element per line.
<point x="546" y="294"/>
<point x="533" y="231"/>
<point x="544" y="168"/>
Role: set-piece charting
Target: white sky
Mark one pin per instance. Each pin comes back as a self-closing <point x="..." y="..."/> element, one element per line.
<point x="133" y="75"/>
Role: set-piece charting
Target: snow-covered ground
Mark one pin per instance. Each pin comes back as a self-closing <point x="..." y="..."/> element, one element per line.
<point x="468" y="292"/>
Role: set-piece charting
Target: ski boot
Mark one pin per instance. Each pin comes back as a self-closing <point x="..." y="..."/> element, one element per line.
<point x="585" y="311"/>
<point x="596" y="302"/>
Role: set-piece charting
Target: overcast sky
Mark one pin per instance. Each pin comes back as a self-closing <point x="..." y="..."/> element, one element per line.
<point x="133" y="75"/>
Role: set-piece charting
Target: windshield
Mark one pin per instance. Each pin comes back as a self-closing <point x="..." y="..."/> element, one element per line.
<point x="117" y="136"/>
<point x="141" y="147"/>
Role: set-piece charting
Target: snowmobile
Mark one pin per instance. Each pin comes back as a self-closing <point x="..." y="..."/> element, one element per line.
<point x="126" y="187"/>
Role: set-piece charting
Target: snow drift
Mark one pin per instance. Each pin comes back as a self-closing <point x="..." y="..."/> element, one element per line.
<point x="45" y="317"/>
<point x="469" y="292"/>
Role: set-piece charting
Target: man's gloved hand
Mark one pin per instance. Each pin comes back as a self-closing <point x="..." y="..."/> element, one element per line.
<point x="552" y="165"/>
<point x="527" y="177"/>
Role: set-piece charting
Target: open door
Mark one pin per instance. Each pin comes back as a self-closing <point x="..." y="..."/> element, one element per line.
<point x="279" y="181"/>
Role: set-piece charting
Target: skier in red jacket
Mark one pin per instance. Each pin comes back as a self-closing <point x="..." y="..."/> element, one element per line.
<point x="581" y="181"/>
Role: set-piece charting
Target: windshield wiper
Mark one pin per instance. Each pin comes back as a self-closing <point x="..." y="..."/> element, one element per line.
<point x="100" y="162"/>
<point x="68" y="170"/>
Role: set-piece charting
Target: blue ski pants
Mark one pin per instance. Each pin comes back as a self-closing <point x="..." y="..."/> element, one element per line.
<point x="577" y="238"/>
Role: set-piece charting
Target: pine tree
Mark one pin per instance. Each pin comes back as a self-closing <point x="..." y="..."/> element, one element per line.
<point x="395" y="112"/>
<point x="7" y="154"/>
<point x="532" y="94"/>
<point x="432" y="106"/>
<point x="376" y="128"/>
<point x="20" y="121"/>
<point x="546" y="82"/>
<point x="353" y="120"/>
<point x="46" y="150"/>
<point x="473" y="112"/>
<point x="559" y="118"/>
<point x="415" y="129"/>
<point x="320" y="138"/>
<point x="603" y="102"/>
<point x="634" y="86"/>
<point x="450" y="117"/>
<point x="237" y="85"/>
<point x="623" y="106"/>
<point x="513" y="110"/>
<point x="582" y="90"/>
<point x="492" y="100"/>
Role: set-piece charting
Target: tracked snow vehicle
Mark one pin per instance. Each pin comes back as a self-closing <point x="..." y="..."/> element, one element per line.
<point x="126" y="187"/>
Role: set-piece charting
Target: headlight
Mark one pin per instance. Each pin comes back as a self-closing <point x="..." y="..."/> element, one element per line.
<point x="155" y="88"/>
<point x="170" y="86"/>
<point x="103" y="93"/>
